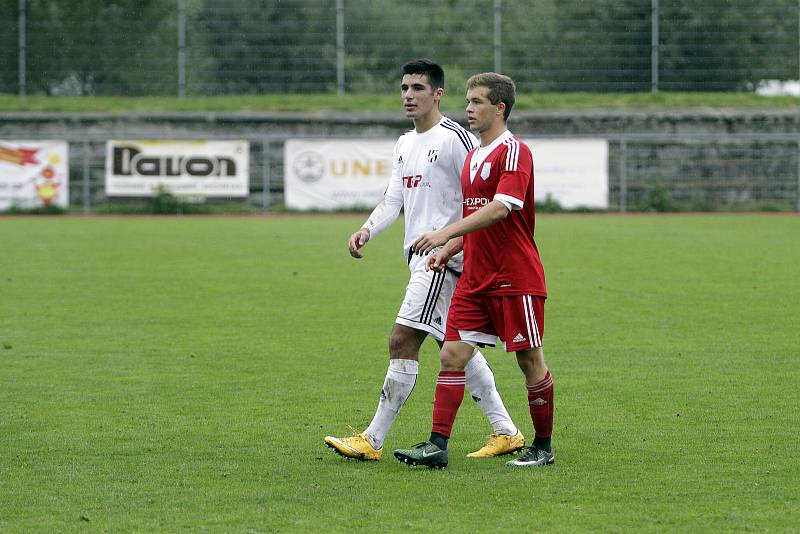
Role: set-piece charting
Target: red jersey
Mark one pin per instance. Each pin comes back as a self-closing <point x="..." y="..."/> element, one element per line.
<point x="501" y="259"/>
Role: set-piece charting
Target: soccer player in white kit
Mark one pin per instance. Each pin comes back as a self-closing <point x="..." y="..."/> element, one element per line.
<point x="426" y="184"/>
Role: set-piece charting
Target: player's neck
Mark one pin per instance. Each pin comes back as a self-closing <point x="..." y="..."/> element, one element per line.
<point x="423" y="124"/>
<point x="488" y="136"/>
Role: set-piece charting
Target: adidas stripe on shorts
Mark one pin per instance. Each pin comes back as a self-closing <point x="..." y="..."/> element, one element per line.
<point x="479" y="320"/>
<point x="427" y="300"/>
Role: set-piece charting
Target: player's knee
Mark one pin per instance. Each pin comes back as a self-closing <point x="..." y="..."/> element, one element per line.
<point x="395" y="345"/>
<point x="531" y="362"/>
<point x="402" y="347"/>
<point x="454" y="357"/>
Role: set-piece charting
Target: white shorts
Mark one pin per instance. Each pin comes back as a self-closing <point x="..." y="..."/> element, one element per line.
<point x="427" y="300"/>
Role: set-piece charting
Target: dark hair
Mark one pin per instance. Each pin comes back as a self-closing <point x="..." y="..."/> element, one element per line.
<point x="427" y="67"/>
<point x="501" y="89"/>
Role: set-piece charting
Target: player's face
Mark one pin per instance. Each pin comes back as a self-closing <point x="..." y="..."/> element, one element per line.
<point x="481" y="113"/>
<point x="419" y="98"/>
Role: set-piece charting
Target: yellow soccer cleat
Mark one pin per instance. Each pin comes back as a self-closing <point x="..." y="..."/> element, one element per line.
<point x="357" y="446"/>
<point x="498" y="445"/>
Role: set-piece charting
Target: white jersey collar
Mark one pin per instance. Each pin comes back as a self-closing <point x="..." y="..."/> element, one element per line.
<point x="432" y="128"/>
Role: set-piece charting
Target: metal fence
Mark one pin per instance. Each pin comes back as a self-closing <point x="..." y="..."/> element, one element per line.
<point x="646" y="172"/>
<point x="211" y="47"/>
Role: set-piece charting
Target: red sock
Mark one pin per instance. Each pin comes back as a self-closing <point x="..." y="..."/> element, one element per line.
<point x="540" y="402"/>
<point x="446" y="401"/>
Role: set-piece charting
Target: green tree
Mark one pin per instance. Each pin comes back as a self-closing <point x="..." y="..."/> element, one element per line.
<point x="382" y="35"/>
<point x="602" y="45"/>
<point x="129" y="47"/>
<point x="727" y="45"/>
<point x="97" y="47"/>
<point x="262" y="46"/>
<point x="9" y="50"/>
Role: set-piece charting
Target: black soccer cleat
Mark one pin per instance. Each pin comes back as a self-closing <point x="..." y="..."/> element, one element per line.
<point x="426" y="453"/>
<point x="533" y="457"/>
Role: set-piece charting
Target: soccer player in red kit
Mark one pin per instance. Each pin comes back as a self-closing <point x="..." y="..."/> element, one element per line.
<point x="502" y="290"/>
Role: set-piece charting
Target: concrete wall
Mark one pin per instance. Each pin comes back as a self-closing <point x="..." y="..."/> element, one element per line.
<point x="691" y="121"/>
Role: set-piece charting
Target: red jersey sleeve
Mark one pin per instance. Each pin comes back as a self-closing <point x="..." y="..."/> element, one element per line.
<point x="516" y="172"/>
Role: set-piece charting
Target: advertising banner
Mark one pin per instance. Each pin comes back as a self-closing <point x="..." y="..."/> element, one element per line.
<point x="33" y="174"/>
<point x="336" y="174"/>
<point x="350" y="173"/>
<point x="185" y="168"/>
<point x="573" y="172"/>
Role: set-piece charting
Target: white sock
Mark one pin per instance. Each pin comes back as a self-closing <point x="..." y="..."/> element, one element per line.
<point x="480" y="383"/>
<point x="400" y="380"/>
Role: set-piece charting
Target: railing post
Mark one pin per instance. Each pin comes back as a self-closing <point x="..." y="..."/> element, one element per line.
<point x="797" y="207"/>
<point x="498" y="45"/>
<point x="181" y="48"/>
<point x="265" y="174"/>
<point x="340" y="47"/>
<point x="22" y="42"/>
<point x="623" y="178"/>
<point x="87" y="176"/>
<point x="654" y="38"/>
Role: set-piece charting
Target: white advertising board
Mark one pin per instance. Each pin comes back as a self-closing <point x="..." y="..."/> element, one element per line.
<point x="573" y="172"/>
<point x="33" y="174"/>
<point x="336" y="174"/>
<point x="184" y="168"/>
<point x="348" y="173"/>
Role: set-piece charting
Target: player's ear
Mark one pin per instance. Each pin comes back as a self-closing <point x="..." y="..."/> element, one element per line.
<point x="501" y="108"/>
<point x="439" y="92"/>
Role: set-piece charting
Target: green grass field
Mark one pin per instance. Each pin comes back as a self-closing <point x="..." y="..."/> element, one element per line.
<point x="179" y="373"/>
<point x="389" y="102"/>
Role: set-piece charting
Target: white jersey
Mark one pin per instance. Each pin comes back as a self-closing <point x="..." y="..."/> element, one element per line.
<point x="426" y="183"/>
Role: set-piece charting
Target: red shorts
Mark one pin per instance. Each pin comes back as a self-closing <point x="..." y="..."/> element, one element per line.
<point x="479" y="320"/>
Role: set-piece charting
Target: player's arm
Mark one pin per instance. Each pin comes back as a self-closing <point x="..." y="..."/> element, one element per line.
<point x="493" y="212"/>
<point x="509" y="196"/>
<point x="384" y="214"/>
<point x="438" y="260"/>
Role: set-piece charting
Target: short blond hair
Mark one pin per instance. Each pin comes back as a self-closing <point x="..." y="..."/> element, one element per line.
<point x="501" y="89"/>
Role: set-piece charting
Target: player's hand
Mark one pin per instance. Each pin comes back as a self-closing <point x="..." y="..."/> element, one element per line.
<point x="356" y="241"/>
<point x="437" y="261"/>
<point x="428" y="241"/>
